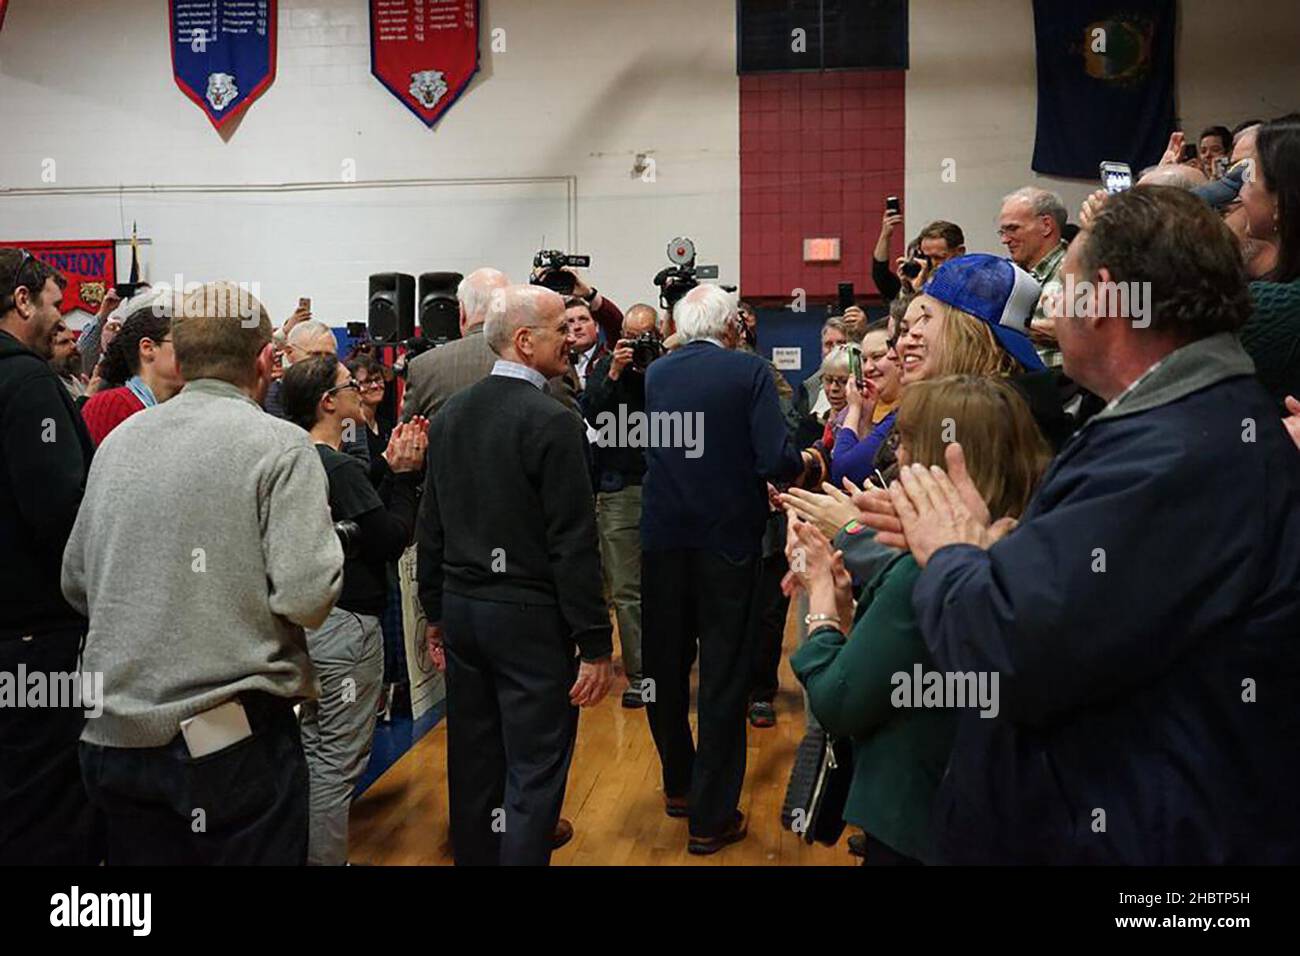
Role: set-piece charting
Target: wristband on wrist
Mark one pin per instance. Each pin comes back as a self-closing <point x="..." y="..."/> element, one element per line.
<point x="811" y="619"/>
<point x="590" y="297"/>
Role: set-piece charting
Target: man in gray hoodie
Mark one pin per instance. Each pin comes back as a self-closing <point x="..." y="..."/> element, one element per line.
<point x="202" y="549"/>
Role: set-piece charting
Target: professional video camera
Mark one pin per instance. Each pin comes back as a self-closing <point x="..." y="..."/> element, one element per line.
<point x="551" y="263"/>
<point x="683" y="275"/>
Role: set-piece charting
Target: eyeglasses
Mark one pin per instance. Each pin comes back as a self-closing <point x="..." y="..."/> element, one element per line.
<point x="350" y="383"/>
<point x="18" y="278"/>
<point x="371" y="385"/>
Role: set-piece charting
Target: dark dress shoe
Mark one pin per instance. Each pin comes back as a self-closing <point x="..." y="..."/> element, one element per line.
<point x="703" y="846"/>
<point x="563" y="834"/>
<point x="677" y="807"/>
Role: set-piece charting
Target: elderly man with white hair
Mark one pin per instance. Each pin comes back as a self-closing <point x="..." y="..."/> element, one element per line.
<point x="715" y="438"/>
<point x="440" y="373"/>
<point x="308" y="339"/>
<point x="1030" y="226"/>
<point x="509" y="573"/>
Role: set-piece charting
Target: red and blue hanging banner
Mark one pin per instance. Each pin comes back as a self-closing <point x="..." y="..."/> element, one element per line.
<point x="90" y="268"/>
<point x="424" y="51"/>
<point x="223" y="53"/>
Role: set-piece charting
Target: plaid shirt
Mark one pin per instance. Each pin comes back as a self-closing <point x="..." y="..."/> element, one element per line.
<point x="1048" y="274"/>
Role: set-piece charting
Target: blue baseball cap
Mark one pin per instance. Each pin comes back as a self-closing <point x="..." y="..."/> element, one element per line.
<point x="997" y="292"/>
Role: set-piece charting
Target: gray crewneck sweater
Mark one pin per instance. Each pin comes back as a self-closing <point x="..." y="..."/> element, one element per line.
<point x="202" y="549"/>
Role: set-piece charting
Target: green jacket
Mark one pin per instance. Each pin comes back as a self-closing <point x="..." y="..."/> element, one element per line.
<point x="898" y="754"/>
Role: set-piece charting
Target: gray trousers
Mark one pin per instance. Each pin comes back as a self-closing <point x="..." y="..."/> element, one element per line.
<point x="618" y="518"/>
<point x="338" y="728"/>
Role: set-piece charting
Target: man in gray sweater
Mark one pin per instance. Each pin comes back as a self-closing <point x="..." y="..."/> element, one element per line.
<point x="202" y="549"/>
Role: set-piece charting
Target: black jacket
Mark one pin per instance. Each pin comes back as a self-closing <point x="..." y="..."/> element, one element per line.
<point x="614" y="467"/>
<point x="508" y="514"/>
<point x="43" y="467"/>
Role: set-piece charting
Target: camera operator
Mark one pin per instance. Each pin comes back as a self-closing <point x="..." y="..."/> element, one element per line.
<point x="321" y="396"/>
<point x="617" y="379"/>
<point x="608" y="316"/>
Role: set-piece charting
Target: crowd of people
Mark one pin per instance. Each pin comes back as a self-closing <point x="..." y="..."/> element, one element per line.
<point x="1040" y="525"/>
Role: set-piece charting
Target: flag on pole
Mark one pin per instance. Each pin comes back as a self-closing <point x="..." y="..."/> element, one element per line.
<point x="135" y="256"/>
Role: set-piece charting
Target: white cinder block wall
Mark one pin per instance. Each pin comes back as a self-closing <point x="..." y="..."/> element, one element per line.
<point x="581" y="87"/>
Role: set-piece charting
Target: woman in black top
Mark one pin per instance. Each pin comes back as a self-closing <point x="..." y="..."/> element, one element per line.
<point x="321" y="396"/>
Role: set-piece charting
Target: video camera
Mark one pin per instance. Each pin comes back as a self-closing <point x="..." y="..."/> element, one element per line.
<point x="552" y="263"/>
<point x="683" y="275"/>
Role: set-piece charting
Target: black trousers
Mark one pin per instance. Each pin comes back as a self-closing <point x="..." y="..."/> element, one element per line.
<point x="693" y="598"/>
<point x="769" y="627"/>
<point x="45" y="817"/>
<point x="510" y="728"/>
<point x="244" y="805"/>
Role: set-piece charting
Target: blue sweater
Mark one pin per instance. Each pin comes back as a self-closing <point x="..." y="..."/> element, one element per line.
<point x="713" y="495"/>
<point x="855" y="458"/>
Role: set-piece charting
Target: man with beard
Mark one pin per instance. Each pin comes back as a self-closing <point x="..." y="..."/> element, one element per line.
<point x="44" y="814"/>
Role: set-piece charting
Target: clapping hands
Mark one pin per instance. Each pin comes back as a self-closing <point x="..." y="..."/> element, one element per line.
<point x="407" y="445"/>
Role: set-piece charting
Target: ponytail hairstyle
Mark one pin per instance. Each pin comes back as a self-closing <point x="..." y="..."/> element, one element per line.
<point x="121" y="359"/>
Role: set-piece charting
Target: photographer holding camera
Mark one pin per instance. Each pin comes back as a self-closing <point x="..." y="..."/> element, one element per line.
<point x="321" y="396"/>
<point x="617" y="380"/>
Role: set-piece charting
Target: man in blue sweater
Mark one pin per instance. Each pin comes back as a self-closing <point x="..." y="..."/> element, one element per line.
<point x="716" y="439"/>
<point x="1143" y="616"/>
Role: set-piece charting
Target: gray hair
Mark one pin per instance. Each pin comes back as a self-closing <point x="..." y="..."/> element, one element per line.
<point x="836" y="361"/>
<point x="834" y="322"/>
<point x="310" y="330"/>
<point x="1178" y="176"/>
<point x="1041" y="203"/>
<point x="704" y="313"/>
<point x="475" y="293"/>
<point x="514" y="307"/>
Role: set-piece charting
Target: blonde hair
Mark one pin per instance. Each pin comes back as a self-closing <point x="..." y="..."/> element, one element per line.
<point x="970" y="347"/>
<point x="1005" y="452"/>
<point x="218" y="330"/>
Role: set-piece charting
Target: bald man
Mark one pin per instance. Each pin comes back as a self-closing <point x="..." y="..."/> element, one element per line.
<point x="509" y="577"/>
<point x="440" y="373"/>
<point x="614" y="382"/>
<point x="308" y="339"/>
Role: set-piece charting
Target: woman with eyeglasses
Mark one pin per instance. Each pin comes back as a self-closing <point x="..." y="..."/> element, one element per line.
<point x="138" y="370"/>
<point x="369" y="376"/>
<point x="321" y="396"/>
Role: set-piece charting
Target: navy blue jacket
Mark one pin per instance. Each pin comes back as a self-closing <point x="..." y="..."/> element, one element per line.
<point x="717" y="500"/>
<point x="1151" y="591"/>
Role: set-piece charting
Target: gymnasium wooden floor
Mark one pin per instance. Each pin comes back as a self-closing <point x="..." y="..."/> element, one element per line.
<point x="614" y="798"/>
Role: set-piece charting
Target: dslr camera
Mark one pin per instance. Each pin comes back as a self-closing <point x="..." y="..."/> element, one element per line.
<point x="646" y="347"/>
<point x="683" y="275"/>
<point x="550" y="264"/>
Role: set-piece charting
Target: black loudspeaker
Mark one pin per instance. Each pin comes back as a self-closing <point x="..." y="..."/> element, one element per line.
<point x="439" y="309"/>
<point x="391" y="312"/>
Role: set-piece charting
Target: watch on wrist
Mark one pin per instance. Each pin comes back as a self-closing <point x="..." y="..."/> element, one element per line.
<point x="590" y="297"/>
